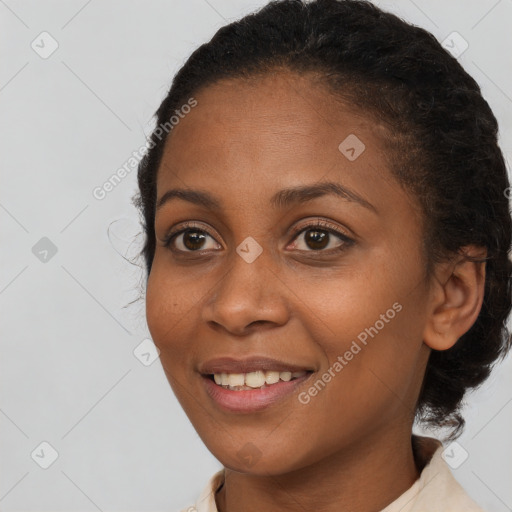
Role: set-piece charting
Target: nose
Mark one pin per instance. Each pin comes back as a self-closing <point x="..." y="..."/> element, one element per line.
<point x="248" y="296"/>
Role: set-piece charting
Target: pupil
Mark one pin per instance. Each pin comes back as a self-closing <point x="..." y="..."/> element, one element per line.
<point x="195" y="237"/>
<point x="318" y="239"/>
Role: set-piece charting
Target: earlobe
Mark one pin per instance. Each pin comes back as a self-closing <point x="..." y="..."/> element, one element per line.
<point x="456" y="298"/>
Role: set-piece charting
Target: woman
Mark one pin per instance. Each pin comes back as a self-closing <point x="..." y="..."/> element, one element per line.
<point x="327" y="236"/>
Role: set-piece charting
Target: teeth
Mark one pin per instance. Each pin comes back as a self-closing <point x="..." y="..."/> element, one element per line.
<point x="258" y="379"/>
<point x="236" y="379"/>
<point x="255" y="379"/>
<point x="271" y="377"/>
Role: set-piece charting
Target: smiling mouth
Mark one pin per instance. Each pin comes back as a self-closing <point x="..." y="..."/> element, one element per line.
<point x="253" y="380"/>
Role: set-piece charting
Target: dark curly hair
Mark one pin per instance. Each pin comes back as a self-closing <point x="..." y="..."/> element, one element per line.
<point x="442" y="147"/>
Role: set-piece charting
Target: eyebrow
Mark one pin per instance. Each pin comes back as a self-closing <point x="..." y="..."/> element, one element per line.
<point x="280" y="199"/>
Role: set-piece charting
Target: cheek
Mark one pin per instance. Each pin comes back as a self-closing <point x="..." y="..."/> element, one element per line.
<point x="169" y="307"/>
<point x="372" y="319"/>
<point x="169" y="299"/>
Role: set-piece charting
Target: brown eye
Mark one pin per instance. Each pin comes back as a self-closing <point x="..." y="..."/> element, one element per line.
<point x="190" y="239"/>
<point x="193" y="239"/>
<point x="317" y="237"/>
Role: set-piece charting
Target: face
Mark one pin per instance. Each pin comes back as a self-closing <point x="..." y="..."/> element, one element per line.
<point x="328" y="283"/>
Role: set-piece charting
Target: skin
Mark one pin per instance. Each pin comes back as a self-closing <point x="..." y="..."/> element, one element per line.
<point x="351" y="444"/>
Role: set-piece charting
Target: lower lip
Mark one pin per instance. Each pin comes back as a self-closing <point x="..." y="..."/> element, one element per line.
<point x="254" y="399"/>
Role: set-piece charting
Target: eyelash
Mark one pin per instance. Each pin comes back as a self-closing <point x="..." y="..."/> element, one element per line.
<point x="320" y="225"/>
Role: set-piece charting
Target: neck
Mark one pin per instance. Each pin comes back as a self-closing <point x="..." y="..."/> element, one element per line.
<point x="367" y="476"/>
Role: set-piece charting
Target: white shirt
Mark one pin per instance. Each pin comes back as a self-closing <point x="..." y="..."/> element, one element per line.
<point x="436" y="490"/>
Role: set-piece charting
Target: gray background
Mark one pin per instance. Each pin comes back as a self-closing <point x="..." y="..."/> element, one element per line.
<point x="69" y="373"/>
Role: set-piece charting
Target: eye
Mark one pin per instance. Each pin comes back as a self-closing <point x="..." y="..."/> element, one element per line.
<point x="188" y="239"/>
<point x="318" y="237"/>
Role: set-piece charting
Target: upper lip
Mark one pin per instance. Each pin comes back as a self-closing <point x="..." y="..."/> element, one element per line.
<point x="247" y="365"/>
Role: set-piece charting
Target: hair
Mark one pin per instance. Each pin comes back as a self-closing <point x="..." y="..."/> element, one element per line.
<point x="442" y="148"/>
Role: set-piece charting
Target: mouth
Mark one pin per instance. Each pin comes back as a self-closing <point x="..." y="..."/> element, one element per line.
<point x="254" y="391"/>
<point x="260" y="379"/>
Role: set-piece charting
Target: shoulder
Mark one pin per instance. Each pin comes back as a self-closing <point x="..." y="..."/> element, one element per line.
<point x="439" y="491"/>
<point x="436" y="490"/>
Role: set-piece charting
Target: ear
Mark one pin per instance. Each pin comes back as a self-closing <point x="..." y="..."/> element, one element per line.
<point x="456" y="297"/>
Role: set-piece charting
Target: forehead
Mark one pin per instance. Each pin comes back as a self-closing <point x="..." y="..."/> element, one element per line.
<point x="251" y="137"/>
